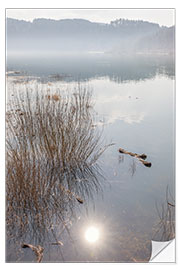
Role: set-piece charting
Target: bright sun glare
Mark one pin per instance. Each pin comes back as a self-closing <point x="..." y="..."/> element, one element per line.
<point x="92" y="234"/>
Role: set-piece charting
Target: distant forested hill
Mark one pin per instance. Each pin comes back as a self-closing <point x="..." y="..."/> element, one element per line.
<point x="118" y="36"/>
<point x="160" y="41"/>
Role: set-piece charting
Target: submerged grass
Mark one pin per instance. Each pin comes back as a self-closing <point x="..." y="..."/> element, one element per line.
<point x="51" y="156"/>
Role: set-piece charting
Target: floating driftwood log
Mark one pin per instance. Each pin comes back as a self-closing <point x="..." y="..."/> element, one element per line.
<point x="141" y="157"/>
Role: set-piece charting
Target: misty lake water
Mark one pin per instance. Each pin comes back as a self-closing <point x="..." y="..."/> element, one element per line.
<point x="133" y="99"/>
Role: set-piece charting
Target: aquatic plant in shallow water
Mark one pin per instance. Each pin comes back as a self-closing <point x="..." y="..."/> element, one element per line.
<point x="164" y="230"/>
<point x="51" y="157"/>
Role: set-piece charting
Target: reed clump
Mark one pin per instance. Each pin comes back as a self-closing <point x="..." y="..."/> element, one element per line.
<point x="51" y="156"/>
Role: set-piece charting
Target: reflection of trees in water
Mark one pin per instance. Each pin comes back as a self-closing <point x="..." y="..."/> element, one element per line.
<point x="118" y="68"/>
<point x="165" y="228"/>
<point x="124" y="69"/>
<point x="139" y="68"/>
<point x="51" y="167"/>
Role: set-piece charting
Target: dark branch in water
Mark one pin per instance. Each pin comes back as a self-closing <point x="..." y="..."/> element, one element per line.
<point x="71" y="194"/>
<point x="171" y="204"/>
<point x="38" y="250"/>
<point x="58" y="243"/>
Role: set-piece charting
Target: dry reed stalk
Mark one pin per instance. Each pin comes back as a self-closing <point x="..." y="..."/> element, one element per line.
<point x="165" y="228"/>
<point x="50" y="144"/>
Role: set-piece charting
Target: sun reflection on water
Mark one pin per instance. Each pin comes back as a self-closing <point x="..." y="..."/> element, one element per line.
<point x="92" y="234"/>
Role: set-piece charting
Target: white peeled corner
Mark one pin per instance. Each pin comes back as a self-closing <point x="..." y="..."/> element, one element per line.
<point x="163" y="251"/>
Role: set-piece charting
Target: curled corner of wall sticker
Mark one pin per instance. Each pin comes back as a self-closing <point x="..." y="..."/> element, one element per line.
<point x="163" y="252"/>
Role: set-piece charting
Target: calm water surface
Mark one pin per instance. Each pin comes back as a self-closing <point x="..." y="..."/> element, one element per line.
<point x="134" y="104"/>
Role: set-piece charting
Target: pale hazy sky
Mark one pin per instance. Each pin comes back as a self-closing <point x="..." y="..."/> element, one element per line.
<point x="162" y="16"/>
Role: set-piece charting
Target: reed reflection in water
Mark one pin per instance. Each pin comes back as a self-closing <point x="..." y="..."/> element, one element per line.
<point x="51" y="162"/>
<point x="165" y="228"/>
